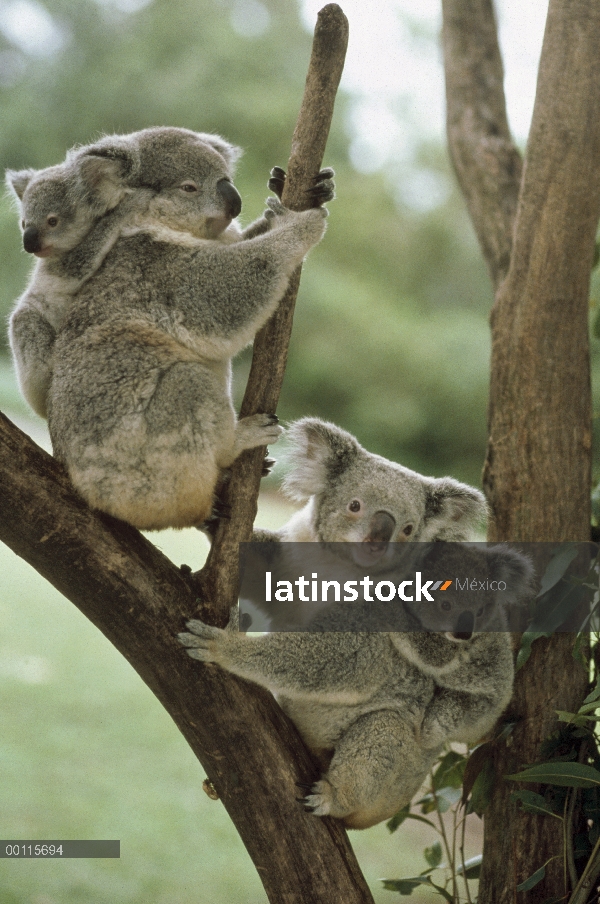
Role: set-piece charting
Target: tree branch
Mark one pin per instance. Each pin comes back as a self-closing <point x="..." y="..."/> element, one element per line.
<point x="485" y="159"/>
<point x="219" y="579"/>
<point x="537" y="472"/>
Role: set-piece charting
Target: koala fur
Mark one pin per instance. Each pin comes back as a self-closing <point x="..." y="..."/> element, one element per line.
<point x="140" y="408"/>
<point x="354" y="497"/>
<point x="71" y="215"/>
<point x="376" y="708"/>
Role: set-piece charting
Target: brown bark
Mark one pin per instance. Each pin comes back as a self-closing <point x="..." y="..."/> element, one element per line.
<point x="538" y="465"/>
<point x="485" y="159"/>
<point x="218" y="582"/>
<point x="139" y="600"/>
<point x="252" y="754"/>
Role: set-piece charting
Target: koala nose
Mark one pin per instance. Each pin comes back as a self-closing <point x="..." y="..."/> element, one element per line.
<point x="381" y="528"/>
<point x="465" y="625"/>
<point x="231" y="196"/>
<point x="32" y="241"/>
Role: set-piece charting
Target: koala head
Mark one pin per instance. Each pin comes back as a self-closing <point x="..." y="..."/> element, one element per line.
<point x="189" y="172"/>
<point x="485" y="581"/>
<point x="59" y="205"/>
<point x="360" y="498"/>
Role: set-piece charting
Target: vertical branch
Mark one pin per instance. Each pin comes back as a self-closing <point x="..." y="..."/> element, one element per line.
<point x="485" y="159"/>
<point x="218" y="581"/>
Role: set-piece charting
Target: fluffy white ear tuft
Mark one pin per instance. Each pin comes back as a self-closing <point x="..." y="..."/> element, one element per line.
<point x="453" y="510"/>
<point x="319" y="452"/>
<point x="18" y="180"/>
<point x="105" y="173"/>
<point x="229" y="152"/>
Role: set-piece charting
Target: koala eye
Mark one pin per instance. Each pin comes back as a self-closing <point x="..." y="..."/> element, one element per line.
<point x="407" y="531"/>
<point x="189" y="186"/>
<point x="52" y="221"/>
<point x="354" y="506"/>
<point x="479" y="612"/>
<point x="446" y="606"/>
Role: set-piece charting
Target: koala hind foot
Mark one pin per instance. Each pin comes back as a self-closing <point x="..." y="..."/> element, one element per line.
<point x="320" y="800"/>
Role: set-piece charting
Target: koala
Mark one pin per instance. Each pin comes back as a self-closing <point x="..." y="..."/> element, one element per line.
<point x="139" y="404"/>
<point x="376" y="708"/>
<point x="71" y="215"/>
<point x="361" y="500"/>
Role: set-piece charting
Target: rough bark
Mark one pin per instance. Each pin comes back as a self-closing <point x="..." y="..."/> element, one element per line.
<point x="252" y="754"/>
<point x="218" y="582"/>
<point x="538" y="464"/>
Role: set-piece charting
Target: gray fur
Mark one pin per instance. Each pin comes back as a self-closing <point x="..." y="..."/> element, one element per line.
<point x="140" y="408"/>
<point x="71" y="215"/>
<point x="377" y="708"/>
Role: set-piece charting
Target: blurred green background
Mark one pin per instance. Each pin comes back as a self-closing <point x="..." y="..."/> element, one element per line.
<point x="390" y="341"/>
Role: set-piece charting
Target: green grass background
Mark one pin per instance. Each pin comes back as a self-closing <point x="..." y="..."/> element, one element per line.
<point x="86" y="751"/>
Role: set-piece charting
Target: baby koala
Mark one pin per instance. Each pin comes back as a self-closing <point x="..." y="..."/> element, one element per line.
<point x="140" y="409"/>
<point x="71" y="215"/>
<point x="376" y="707"/>
<point x="360" y="505"/>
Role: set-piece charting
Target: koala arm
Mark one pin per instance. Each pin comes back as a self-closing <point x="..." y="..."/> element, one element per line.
<point x="470" y="698"/>
<point x="332" y="668"/>
<point x="32" y="337"/>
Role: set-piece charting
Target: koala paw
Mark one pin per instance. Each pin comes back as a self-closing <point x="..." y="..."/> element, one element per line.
<point x="257" y="430"/>
<point x="268" y="465"/>
<point x="320" y="799"/>
<point x="324" y="188"/>
<point x="432" y="734"/>
<point x="202" y="642"/>
<point x="277" y="181"/>
<point x="275" y="209"/>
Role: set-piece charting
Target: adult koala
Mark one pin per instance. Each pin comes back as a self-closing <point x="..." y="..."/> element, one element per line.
<point x="358" y="499"/>
<point x="140" y="408"/>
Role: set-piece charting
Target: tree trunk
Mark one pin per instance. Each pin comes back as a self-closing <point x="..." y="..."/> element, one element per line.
<point x="251" y="752"/>
<point x="538" y="465"/>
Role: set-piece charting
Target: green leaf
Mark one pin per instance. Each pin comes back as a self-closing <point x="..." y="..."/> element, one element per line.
<point x="472" y="867"/>
<point x="594" y="695"/>
<point x="406" y="886"/>
<point x="474" y="767"/>
<point x="450" y="771"/>
<point x="534" y="803"/>
<point x="483" y="787"/>
<point x="433" y="855"/>
<point x="398" y="818"/>
<point x="447" y="797"/>
<point x="570" y="775"/>
<point x="556" y="567"/>
<point x="533" y="880"/>
<point x="525" y="650"/>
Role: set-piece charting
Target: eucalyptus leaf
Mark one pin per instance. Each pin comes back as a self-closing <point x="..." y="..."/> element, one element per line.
<point x="534" y="803"/>
<point x="556" y="567"/>
<point x="570" y="775"/>
<point x="433" y="855"/>
<point x="450" y="771"/>
<point x="483" y="786"/>
<point x="533" y="880"/>
<point x="398" y="818"/>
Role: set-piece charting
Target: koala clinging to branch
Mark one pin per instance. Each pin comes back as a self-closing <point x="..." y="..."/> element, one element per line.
<point x="354" y="497"/>
<point x="140" y="408"/>
<point x="71" y="215"/>
<point x="376" y="708"/>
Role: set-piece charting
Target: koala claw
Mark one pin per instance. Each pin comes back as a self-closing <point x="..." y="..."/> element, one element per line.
<point x="268" y="465"/>
<point x="319" y="801"/>
<point x="277" y="181"/>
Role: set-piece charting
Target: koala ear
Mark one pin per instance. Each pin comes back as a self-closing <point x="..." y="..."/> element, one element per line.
<point x="515" y="569"/>
<point x="453" y="510"/>
<point x="319" y="452"/>
<point x="18" y="180"/>
<point x="229" y="152"/>
<point x="104" y="179"/>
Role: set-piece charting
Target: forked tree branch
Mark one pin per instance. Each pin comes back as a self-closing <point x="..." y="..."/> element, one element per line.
<point x="218" y="582"/>
<point x="250" y="751"/>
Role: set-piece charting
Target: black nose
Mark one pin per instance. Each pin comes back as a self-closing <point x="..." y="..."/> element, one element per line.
<point x="231" y="196"/>
<point x="381" y="528"/>
<point x="465" y="625"/>
<point x="32" y="241"/>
